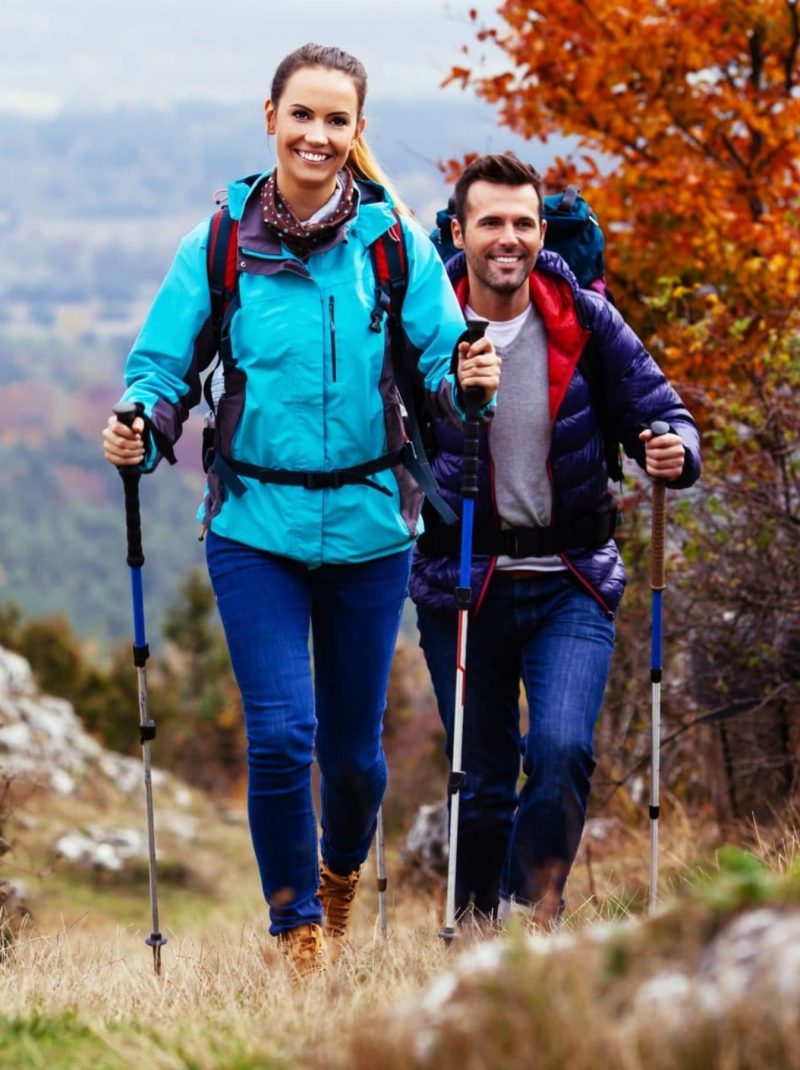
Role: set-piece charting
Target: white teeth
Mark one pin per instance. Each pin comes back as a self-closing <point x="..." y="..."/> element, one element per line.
<point x="314" y="157"/>
<point x="506" y="259"/>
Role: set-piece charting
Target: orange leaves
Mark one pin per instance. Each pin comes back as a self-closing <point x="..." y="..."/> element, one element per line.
<point x="452" y="168"/>
<point x="458" y="74"/>
<point x="685" y="117"/>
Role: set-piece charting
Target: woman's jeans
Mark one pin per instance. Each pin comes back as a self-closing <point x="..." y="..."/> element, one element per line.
<point x="550" y="633"/>
<point x="267" y="605"/>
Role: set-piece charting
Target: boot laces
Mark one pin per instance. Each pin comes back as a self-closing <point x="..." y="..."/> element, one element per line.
<point x="303" y="948"/>
<point x="337" y="894"/>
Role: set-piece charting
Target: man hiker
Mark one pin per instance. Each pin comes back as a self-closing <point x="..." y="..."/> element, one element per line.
<point x="546" y="575"/>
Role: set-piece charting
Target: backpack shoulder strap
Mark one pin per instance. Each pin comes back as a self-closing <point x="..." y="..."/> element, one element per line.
<point x="390" y="263"/>
<point x="592" y="372"/>
<point x="223" y="233"/>
<point x="223" y="279"/>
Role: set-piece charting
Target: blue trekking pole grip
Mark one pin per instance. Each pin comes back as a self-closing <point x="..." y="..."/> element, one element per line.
<point x="657" y="585"/>
<point x="473" y="396"/>
<point x="126" y="413"/>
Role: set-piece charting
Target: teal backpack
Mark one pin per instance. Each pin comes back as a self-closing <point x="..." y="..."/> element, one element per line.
<point x="574" y="232"/>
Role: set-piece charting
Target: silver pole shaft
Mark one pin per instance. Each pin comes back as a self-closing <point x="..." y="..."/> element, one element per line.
<point x="141" y="674"/>
<point x="380" y="867"/>
<point x="458" y="737"/>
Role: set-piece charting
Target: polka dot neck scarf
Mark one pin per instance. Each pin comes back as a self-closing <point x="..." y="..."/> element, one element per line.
<point x="295" y="235"/>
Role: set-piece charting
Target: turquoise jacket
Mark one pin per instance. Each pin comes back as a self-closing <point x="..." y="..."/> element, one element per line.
<point x="313" y="387"/>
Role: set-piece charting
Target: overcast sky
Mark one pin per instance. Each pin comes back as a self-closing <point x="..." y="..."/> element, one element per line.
<point x="91" y="52"/>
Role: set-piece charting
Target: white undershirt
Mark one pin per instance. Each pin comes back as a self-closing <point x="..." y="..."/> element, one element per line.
<point x="501" y="332"/>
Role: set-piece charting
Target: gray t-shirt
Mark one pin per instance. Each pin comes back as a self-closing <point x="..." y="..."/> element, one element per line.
<point x="519" y="434"/>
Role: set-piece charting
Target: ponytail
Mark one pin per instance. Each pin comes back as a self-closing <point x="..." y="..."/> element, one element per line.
<point x="363" y="164"/>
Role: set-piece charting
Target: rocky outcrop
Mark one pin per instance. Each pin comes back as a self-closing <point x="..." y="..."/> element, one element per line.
<point x="45" y="751"/>
<point x="664" y="992"/>
<point x="42" y="738"/>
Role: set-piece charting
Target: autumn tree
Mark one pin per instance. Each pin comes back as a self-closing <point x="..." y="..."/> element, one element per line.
<point x="684" y="118"/>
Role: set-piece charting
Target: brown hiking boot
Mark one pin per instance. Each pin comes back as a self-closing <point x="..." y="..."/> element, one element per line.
<point x="337" y="895"/>
<point x="304" y="950"/>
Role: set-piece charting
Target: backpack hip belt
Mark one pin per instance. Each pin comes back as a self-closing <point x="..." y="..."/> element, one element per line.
<point x="524" y="542"/>
<point x="229" y="469"/>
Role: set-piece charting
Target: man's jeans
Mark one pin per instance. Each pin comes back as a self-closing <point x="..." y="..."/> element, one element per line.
<point x="552" y="634"/>
<point x="267" y="605"/>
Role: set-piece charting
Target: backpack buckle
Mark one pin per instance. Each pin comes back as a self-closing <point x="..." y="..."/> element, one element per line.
<point x="323" y="480"/>
<point x="382" y="305"/>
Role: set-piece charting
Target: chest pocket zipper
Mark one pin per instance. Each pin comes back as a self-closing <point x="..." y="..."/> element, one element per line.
<point x="333" y="336"/>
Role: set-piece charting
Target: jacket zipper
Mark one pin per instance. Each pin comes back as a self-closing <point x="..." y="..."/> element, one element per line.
<point x="595" y="594"/>
<point x="333" y="336"/>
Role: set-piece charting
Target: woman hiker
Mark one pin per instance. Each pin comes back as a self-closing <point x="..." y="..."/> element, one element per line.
<point x="309" y="514"/>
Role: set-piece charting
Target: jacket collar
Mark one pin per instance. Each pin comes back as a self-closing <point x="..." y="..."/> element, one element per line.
<point x="373" y="216"/>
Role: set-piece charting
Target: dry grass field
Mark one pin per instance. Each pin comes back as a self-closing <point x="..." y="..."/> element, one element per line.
<point x="77" y="986"/>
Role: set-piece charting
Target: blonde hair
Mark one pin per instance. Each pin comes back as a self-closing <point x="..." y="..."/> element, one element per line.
<point x="364" y="165"/>
<point x="360" y="161"/>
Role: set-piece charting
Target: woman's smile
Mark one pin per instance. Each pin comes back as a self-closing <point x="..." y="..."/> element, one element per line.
<point x="315" y="123"/>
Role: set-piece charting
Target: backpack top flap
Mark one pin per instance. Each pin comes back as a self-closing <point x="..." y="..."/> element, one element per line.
<point x="574" y="233"/>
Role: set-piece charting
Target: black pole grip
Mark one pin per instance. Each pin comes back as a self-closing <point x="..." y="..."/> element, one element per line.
<point x="126" y="413"/>
<point x="473" y="397"/>
<point x="658" y="522"/>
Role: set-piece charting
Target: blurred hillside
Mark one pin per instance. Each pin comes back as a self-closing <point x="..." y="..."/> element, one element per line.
<point x="93" y="205"/>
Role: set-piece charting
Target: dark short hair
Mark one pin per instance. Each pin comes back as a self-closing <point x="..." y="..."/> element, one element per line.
<point x="503" y="168"/>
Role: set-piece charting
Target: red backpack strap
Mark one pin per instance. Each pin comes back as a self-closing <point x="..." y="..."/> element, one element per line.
<point x="223" y="237"/>
<point x="223" y="282"/>
<point x="390" y="263"/>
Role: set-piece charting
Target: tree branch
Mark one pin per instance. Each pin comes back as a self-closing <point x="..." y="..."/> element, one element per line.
<point x="732" y="709"/>
<point x="791" y="55"/>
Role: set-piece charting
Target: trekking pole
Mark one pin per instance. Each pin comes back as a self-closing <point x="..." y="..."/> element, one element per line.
<point x="126" y="413"/>
<point x="380" y="869"/>
<point x="469" y="492"/>
<point x="657" y="585"/>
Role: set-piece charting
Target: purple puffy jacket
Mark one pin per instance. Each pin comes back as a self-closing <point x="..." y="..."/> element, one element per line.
<point x="636" y="393"/>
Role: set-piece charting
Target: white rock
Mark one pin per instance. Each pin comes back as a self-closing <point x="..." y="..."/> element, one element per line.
<point x="180" y="825"/>
<point x="16" y="737"/>
<point x="74" y="846"/>
<point x="182" y="796"/>
<point x="760" y="948"/>
<point x="63" y="783"/>
<point x="16" y="677"/>
<point x="101" y="848"/>
<point x="426" y="845"/>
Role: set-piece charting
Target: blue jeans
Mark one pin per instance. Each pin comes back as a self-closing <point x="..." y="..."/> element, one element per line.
<point x="551" y="634"/>
<point x="268" y="605"/>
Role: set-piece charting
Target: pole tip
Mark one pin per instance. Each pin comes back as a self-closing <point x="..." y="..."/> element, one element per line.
<point x="156" y="941"/>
